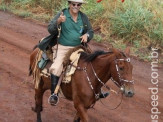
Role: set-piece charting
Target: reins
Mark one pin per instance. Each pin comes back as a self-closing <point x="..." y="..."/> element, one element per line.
<point x="114" y="107"/>
<point x="108" y="89"/>
<point x="99" y="78"/>
<point x="59" y="33"/>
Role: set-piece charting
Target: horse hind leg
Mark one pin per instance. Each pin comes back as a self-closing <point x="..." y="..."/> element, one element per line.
<point x="38" y="103"/>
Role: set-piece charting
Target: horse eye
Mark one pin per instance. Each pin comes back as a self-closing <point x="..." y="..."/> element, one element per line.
<point x="121" y="68"/>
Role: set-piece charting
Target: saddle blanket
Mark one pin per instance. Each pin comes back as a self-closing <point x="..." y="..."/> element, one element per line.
<point x="70" y="69"/>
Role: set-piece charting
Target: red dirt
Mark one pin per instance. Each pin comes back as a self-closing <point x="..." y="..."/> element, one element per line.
<point x="17" y="38"/>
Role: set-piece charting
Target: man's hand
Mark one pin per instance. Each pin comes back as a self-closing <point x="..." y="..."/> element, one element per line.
<point x="62" y="18"/>
<point x="84" y="38"/>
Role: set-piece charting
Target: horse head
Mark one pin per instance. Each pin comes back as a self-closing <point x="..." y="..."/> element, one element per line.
<point x="121" y="72"/>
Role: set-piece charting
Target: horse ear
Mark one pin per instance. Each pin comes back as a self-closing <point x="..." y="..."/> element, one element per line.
<point x="116" y="52"/>
<point x="127" y="50"/>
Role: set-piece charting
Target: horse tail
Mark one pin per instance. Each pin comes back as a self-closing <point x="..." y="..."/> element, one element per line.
<point x="30" y="67"/>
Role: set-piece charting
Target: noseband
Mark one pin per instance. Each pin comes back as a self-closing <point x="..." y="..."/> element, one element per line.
<point x="120" y="79"/>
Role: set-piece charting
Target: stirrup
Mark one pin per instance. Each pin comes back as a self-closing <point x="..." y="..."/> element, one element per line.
<point x="53" y="99"/>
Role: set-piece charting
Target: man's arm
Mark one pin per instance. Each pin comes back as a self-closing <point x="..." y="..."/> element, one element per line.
<point x="53" y="25"/>
<point x="88" y="31"/>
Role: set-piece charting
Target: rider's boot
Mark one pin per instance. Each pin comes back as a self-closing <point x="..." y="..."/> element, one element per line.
<point x="53" y="99"/>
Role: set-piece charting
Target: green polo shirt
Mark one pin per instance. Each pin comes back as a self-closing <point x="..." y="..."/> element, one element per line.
<point x="71" y="30"/>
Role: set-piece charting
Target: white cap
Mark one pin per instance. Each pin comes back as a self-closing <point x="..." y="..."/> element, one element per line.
<point x="77" y="1"/>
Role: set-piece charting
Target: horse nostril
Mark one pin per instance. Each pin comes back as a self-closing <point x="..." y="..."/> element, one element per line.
<point x="130" y="93"/>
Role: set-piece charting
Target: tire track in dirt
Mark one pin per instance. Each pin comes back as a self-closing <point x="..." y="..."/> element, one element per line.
<point x="21" y="42"/>
<point x="14" y="58"/>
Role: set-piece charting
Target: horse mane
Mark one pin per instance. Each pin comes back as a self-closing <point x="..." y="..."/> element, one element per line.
<point x="90" y="57"/>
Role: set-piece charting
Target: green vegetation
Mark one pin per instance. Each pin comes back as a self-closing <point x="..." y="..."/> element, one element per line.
<point x="135" y="22"/>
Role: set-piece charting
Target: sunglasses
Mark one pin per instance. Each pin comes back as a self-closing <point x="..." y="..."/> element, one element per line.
<point x="75" y="4"/>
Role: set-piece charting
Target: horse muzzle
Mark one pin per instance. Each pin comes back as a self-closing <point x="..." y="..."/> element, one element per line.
<point x="127" y="92"/>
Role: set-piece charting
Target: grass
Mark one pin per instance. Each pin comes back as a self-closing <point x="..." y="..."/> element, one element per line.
<point x="135" y="22"/>
<point x="3" y="7"/>
<point x="97" y="37"/>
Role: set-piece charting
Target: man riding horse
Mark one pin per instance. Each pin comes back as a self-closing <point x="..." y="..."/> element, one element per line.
<point x="75" y="29"/>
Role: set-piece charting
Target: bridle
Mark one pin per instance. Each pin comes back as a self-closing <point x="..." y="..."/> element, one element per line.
<point x="121" y="86"/>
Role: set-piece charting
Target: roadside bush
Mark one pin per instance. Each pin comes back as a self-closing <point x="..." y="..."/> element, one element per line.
<point x="133" y="21"/>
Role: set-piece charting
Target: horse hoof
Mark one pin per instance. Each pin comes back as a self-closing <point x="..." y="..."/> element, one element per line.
<point x="33" y="109"/>
<point x="39" y="120"/>
<point x="78" y="120"/>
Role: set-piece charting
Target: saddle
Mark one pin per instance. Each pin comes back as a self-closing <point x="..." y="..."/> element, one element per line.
<point x="70" y="62"/>
<point x="44" y="61"/>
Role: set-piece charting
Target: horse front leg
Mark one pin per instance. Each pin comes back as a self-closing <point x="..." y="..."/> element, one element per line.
<point x="77" y="117"/>
<point x="38" y="103"/>
<point x="81" y="113"/>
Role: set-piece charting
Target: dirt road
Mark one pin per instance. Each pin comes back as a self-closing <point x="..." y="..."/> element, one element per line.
<point x="17" y="38"/>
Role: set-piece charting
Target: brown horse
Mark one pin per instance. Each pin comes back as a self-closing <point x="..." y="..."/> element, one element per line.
<point x="93" y="71"/>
